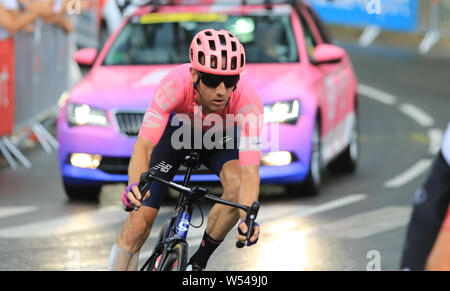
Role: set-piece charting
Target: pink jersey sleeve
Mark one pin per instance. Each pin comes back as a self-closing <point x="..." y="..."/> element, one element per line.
<point x="167" y="97"/>
<point x="250" y="112"/>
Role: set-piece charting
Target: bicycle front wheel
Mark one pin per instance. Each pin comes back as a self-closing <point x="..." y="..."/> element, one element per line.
<point x="176" y="260"/>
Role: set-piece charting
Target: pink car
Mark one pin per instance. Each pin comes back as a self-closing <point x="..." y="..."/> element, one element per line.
<point x="306" y="83"/>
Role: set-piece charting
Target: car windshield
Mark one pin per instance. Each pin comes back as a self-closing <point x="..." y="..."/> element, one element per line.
<point x="164" y="38"/>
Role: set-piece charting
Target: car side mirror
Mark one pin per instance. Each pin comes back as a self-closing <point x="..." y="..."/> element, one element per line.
<point x="327" y="54"/>
<point x="85" y="57"/>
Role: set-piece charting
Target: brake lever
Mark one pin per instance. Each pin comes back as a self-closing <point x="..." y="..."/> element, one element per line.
<point x="145" y="181"/>
<point x="250" y="222"/>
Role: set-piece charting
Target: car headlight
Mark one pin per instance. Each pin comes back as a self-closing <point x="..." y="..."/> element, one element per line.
<point x="283" y="112"/>
<point x="83" y="114"/>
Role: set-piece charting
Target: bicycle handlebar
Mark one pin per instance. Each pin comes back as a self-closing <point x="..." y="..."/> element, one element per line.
<point x="198" y="193"/>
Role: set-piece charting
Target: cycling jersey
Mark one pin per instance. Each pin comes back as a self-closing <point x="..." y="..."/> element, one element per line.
<point x="175" y="93"/>
<point x="446" y="145"/>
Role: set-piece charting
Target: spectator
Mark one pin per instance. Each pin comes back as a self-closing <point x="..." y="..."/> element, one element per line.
<point x="56" y="15"/>
<point x="59" y="16"/>
<point x="13" y="20"/>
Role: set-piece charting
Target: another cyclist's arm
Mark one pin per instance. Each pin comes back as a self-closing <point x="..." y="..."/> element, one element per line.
<point x="439" y="258"/>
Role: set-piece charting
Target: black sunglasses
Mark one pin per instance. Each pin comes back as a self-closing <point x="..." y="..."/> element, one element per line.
<point x="214" y="81"/>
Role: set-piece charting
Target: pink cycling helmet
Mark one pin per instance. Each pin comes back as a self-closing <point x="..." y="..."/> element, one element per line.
<point x="217" y="52"/>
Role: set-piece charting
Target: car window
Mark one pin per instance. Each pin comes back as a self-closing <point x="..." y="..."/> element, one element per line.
<point x="165" y="40"/>
<point x="310" y="41"/>
<point x="324" y="33"/>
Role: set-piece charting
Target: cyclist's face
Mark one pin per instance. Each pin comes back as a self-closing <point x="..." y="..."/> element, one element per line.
<point x="211" y="99"/>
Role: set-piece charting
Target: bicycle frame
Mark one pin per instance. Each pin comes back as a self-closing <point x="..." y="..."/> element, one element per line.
<point x="178" y="226"/>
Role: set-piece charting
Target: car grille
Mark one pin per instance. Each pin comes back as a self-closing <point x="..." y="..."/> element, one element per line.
<point x="129" y="122"/>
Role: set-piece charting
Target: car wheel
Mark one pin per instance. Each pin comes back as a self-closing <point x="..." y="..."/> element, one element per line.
<point x="314" y="177"/>
<point x="347" y="161"/>
<point x="75" y="192"/>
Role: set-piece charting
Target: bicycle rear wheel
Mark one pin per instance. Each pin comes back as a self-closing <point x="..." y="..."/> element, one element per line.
<point x="176" y="260"/>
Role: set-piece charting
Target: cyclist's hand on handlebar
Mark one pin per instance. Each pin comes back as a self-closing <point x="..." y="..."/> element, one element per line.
<point x="242" y="236"/>
<point x="132" y="197"/>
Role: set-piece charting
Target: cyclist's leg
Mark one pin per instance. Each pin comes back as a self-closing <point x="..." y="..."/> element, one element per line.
<point x="430" y="205"/>
<point x="225" y="164"/>
<point x="221" y="218"/>
<point x="166" y="160"/>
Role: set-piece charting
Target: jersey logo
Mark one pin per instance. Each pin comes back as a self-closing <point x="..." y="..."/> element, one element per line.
<point x="163" y="167"/>
<point x="149" y="123"/>
<point x="165" y="96"/>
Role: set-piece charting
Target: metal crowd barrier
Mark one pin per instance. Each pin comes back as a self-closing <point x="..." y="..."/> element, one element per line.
<point x="41" y="75"/>
<point x="434" y="22"/>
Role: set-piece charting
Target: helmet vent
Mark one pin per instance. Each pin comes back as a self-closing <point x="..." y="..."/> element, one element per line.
<point x="212" y="45"/>
<point x="208" y="33"/>
<point x="233" y="46"/>
<point x="233" y="63"/>
<point x="222" y="39"/>
<point x="201" y="58"/>
<point x="214" y="62"/>
<point x="199" y="42"/>
<point x="224" y="60"/>
<point x="242" y="60"/>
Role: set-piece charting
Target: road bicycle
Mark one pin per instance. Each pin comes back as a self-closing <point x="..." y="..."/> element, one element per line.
<point x="171" y="250"/>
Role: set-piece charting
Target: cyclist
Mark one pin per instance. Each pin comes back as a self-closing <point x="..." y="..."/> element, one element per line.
<point x="428" y="225"/>
<point x="439" y="258"/>
<point x="209" y="88"/>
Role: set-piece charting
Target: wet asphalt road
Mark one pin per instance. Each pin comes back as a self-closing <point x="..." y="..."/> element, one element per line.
<point x="358" y="222"/>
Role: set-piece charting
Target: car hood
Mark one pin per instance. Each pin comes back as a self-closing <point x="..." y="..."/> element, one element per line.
<point x="132" y="87"/>
<point x="277" y="82"/>
<point x="109" y="87"/>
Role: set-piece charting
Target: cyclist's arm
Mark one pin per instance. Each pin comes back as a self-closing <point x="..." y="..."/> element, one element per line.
<point x="250" y="119"/>
<point x="140" y="160"/>
<point x="249" y="190"/>
<point x="166" y="98"/>
<point x="439" y="258"/>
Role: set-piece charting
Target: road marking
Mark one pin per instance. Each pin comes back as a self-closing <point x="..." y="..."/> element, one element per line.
<point x="327" y="206"/>
<point x="69" y="224"/>
<point x="13" y="211"/>
<point x="413" y="172"/>
<point x="417" y="114"/>
<point x="435" y="140"/>
<point x="365" y="224"/>
<point x="377" y="95"/>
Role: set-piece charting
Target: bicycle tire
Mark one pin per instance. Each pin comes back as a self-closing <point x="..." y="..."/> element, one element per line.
<point x="163" y="233"/>
<point x="176" y="260"/>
